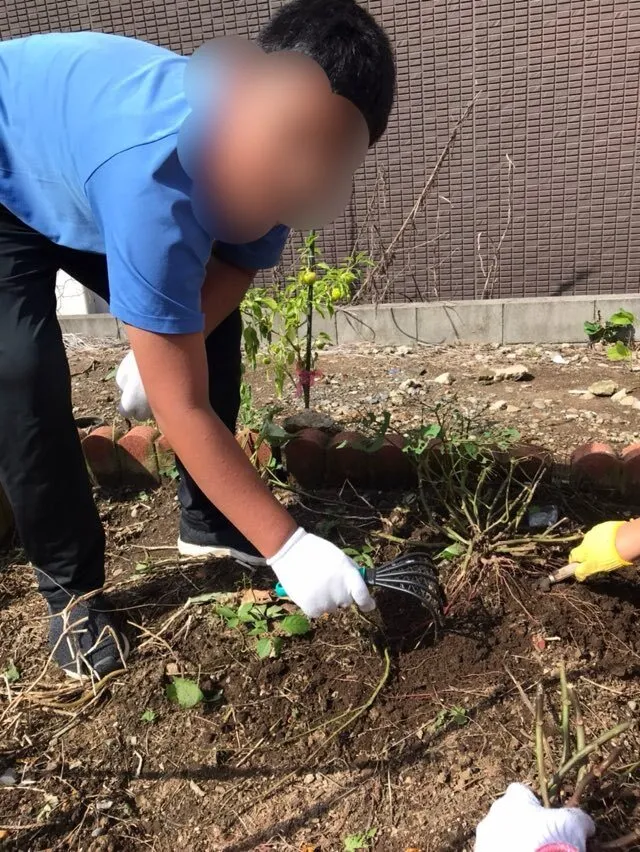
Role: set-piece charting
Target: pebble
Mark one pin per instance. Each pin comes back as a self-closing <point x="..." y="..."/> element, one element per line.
<point x="444" y="379"/>
<point x="403" y="350"/>
<point x="8" y="778"/>
<point x="409" y="384"/>
<point x="587" y="395"/>
<point x="630" y="402"/>
<point x="512" y="409"/>
<point x="541" y="404"/>
<point x="619" y="395"/>
<point x="498" y="405"/>
<point x="605" y="387"/>
<point x="309" y="778"/>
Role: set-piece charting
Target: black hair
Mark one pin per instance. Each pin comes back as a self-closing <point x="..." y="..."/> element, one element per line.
<point x="350" y="47"/>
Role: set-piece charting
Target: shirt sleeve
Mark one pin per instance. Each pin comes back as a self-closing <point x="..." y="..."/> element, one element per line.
<point x="260" y="254"/>
<point x="156" y="250"/>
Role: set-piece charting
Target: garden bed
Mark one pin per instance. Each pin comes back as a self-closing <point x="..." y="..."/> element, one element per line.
<point x="352" y="733"/>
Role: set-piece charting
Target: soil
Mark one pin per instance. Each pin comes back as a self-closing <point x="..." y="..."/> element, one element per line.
<point x="354" y="726"/>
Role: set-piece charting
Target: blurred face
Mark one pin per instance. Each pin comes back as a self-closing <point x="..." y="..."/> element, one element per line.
<point x="282" y="147"/>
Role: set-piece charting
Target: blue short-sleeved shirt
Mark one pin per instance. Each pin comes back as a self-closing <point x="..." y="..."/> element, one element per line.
<point x="89" y="128"/>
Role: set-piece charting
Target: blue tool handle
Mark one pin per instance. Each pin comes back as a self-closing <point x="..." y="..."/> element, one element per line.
<point x="281" y="592"/>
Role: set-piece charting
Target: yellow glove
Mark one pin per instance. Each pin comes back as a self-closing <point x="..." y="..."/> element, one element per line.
<point x="597" y="552"/>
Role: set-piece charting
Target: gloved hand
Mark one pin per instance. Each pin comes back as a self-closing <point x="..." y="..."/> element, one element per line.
<point x="597" y="552"/>
<point x="133" y="400"/>
<point x="318" y="576"/>
<point x="517" y="822"/>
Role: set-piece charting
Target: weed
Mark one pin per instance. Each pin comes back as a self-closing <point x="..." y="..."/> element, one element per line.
<point x="360" y="840"/>
<point x="455" y="716"/>
<point x="259" y="619"/>
<point x="618" y="331"/>
<point x="149" y="716"/>
<point x="184" y="692"/>
<point x="11" y="674"/>
<point x="171" y="472"/>
<point x="363" y="555"/>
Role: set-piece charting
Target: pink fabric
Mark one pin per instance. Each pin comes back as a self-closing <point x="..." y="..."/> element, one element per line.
<point x="557" y="847"/>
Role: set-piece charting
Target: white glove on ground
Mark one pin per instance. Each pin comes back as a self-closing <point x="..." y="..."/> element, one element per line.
<point x="133" y="400"/>
<point x="318" y="576"/>
<point x="517" y="822"/>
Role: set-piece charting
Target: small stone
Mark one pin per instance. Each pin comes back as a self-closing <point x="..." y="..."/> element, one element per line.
<point x="309" y="778"/>
<point x="498" y="405"/>
<point x="575" y="392"/>
<point x="512" y="409"/>
<point x="514" y="373"/>
<point x="619" y="395"/>
<point x="540" y="404"/>
<point x="444" y="379"/>
<point x="587" y="395"/>
<point x="628" y="402"/>
<point x="396" y="398"/>
<point x="8" y="778"/>
<point x="409" y="384"/>
<point x="403" y="350"/>
<point x="605" y="387"/>
<point x="632" y="705"/>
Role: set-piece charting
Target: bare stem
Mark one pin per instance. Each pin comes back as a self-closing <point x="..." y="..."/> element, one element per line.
<point x="542" y="772"/>
<point x="580" y="737"/>
<point x="623" y="842"/>
<point x="579" y="757"/>
<point x="566" y="707"/>
<point x="596" y="774"/>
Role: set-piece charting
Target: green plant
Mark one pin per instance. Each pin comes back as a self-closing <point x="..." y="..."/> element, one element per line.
<point x="149" y="716"/>
<point x="277" y="332"/>
<point x="475" y="492"/>
<point x="259" y="620"/>
<point x="360" y="840"/>
<point x="184" y="692"/>
<point x="618" y="331"/>
<point x="454" y="716"/>
<point x="11" y="674"/>
<point x="363" y="555"/>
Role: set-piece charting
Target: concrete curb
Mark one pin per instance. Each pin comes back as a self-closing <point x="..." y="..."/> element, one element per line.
<point x="506" y="321"/>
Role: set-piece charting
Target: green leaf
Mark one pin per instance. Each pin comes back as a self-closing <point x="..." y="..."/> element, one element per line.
<point x="184" y="692"/>
<point x="618" y="351"/>
<point x="225" y="612"/>
<point x="274" y="611"/>
<point x="361" y="840"/>
<point x="453" y="550"/>
<point x="11" y="673"/>
<point x="111" y="374"/>
<point x="269" y="646"/>
<point x="258" y="628"/>
<point x="149" y="716"/>
<point x="622" y="318"/>
<point x="245" y="612"/>
<point x="295" y="625"/>
<point x="593" y="329"/>
<point x="143" y="567"/>
<point x="263" y="648"/>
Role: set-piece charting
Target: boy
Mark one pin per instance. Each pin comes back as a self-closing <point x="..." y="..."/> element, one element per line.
<point x="102" y="175"/>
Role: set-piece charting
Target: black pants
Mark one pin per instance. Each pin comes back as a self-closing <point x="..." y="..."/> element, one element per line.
<point x="42" y="468"/>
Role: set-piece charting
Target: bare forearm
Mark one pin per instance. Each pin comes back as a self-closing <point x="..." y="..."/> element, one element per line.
<point x="214" y="459"/>
<point x="628" y="541"/>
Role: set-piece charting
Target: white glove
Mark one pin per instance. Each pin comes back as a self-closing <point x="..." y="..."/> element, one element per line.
<point x="133" y="400"/>
<point x="318" y="576"/>
<point x="517" y="822"/>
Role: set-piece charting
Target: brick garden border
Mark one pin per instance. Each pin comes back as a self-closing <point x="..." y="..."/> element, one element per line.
<point x="140" y="458"/>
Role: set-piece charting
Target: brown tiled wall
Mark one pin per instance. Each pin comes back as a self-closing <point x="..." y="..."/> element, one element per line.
<point x="558" y="91"/>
